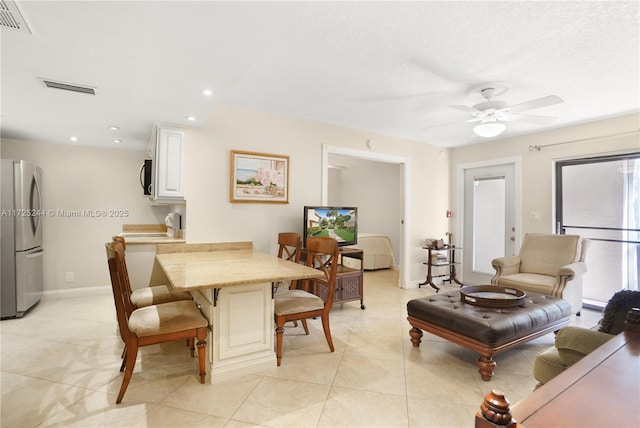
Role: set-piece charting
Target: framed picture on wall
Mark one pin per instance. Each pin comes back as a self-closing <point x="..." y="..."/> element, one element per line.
<point x="259" y="178"/>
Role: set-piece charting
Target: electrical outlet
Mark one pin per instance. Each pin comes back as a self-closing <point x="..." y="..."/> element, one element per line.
<point x="534" y="216"/>
<point x="69" y="277"/>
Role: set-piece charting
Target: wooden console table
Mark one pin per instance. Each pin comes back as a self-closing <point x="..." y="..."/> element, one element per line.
<point x="600" y="390"/>
<point x="450" y="263"/>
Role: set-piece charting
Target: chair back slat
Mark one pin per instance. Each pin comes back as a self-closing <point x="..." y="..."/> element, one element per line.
<point x="120" y="296"/>
<point x="289" y="246"/>
<point x="125" y="271"/>
<point x="322" y="254"/>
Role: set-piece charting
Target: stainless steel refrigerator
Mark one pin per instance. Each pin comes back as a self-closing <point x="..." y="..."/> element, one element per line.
<point x="20" y="237"/>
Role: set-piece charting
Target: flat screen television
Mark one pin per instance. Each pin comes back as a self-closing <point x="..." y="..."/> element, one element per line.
<point x="340" y="223"/>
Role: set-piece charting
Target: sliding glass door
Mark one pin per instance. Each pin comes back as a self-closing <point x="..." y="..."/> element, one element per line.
<point x="599" y="198"/>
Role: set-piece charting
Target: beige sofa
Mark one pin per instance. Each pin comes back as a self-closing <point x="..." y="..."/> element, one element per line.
<point x="547" y="264"/>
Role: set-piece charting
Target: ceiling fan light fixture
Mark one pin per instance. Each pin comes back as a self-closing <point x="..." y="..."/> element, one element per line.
<point x="490" y="129"/>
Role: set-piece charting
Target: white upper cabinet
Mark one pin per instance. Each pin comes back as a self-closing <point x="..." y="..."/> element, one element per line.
<point x="168" y="152"/>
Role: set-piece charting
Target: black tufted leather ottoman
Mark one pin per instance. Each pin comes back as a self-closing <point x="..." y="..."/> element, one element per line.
<point x="485" y="330"/>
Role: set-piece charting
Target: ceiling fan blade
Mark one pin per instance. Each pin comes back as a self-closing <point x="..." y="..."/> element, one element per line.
<point x="466" y="109"/>
<point x="533" y="119"/>
<point x="533" y="104"/>
<point x="476" y="119"/>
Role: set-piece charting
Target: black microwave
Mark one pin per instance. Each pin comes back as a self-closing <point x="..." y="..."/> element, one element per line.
<point x="145" y="177"/>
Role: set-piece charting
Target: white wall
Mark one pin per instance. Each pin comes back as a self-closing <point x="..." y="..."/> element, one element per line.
<point x="538" y="166"/>
<point x="79" y="178"/>
<point x="212" y="217"/>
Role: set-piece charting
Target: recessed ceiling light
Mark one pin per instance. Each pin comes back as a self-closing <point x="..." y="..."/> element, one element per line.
<point x="117" y="141"/>
<point x="207" y="92"/>
<point x="114" y="128"/>
<point x="74" y="138"/>
<point x="191" y="118"/>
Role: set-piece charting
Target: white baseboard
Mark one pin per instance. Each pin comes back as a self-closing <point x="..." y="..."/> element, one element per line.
<point x="69" y="293"/>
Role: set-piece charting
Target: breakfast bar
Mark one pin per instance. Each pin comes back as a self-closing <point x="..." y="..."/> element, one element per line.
<point x="233" y="285"/>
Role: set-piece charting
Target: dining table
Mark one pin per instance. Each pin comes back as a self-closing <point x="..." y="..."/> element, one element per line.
<point x="233" y="285"/>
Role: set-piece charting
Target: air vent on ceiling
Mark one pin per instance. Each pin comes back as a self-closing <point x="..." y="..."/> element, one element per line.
<point x="68" y="86"/>
<point x="12" y="18"/>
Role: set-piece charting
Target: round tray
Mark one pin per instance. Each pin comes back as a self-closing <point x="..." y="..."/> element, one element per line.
<point x="493" y="296"/>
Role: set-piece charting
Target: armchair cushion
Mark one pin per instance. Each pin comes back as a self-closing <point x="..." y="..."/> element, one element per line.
<point x="546" y="254"/>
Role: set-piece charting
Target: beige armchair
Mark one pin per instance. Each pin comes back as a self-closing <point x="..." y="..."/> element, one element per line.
<point x="547" y="264"/>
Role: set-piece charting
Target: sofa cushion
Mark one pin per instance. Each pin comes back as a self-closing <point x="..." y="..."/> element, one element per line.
<point x="573" y="343"/>
<point x="546" y="254"/>
<point x="547" y="365"/>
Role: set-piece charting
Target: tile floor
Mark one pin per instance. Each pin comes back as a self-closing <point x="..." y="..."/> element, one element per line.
<point x="59" y="367"/>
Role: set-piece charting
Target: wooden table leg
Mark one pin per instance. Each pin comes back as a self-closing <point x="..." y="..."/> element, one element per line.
<point x="416" y="336"/>
<point x="486" y="365"/>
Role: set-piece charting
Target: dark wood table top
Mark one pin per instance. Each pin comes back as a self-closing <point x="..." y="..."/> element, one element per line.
<point x="601" y="390"/>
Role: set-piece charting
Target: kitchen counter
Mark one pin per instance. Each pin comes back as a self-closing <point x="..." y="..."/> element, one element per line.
<point x="139" y="234"/>
<point x="150" y="239"/>
<point x="142" y="244"/>
<point x="233" y="287"/>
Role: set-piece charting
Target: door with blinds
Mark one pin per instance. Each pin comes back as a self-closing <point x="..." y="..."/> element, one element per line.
<point x="489" y="220"/>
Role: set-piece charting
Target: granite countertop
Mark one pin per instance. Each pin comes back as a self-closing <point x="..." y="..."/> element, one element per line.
<point x="150" y="234"/>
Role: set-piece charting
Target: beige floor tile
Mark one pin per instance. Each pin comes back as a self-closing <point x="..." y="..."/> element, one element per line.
<point x="284" y="403"/>
<point x="153" y="384"/>
<point x="27" y="401"/>
<point x="315" y="341"/>
<point x="381" y="326"/>
<point x="98" y="409"/>
<point x="60" y="367"/>
<point x="352" y="408"/>
<point x="308" y="366"/>
<point x="221" y="399"/>
<point x="159" y="416"/>
<point x="453" y="383"/>
<point x="426" y="413"/>
<point x="371" y="345"/>
<point x="370" y="374"/>
<point x="239" y="424"/>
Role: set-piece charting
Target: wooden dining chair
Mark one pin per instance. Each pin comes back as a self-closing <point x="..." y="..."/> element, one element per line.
<point x="154" y="324"/>
<point x="151" y="295"/>
<point x="290" y="248"/>
<point x="322" y="254"/>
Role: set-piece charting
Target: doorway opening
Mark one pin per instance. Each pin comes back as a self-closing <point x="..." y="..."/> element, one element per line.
<point x="400" y="226"/>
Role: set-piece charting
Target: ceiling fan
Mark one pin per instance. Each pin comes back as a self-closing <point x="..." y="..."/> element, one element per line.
<point x="492" y="113"/>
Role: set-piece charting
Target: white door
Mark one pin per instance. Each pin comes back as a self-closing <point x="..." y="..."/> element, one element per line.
<point x="489" y="227"/>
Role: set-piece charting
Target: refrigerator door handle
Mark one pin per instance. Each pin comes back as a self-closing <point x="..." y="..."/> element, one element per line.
<point x="36" y="208"/>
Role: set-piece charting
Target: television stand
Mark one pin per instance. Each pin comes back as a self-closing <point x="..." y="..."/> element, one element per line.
<point x="349" y="282"/>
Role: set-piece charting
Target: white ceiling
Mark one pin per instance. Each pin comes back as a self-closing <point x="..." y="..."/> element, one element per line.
<point x="386" y="67"/>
